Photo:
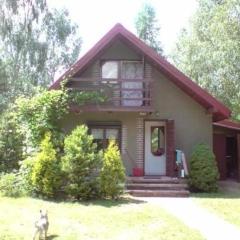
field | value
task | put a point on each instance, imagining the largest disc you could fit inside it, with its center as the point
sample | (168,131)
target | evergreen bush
(81,163)
(112,175)
(203,174)
(46,172)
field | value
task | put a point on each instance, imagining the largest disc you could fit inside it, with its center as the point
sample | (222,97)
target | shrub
(81,163)
(11,142)
(112,175)
(25,172)
(11,185)
(203,169)
(42,113)
(46,172)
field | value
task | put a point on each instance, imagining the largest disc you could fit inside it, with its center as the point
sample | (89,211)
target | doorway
(155,148)
(231,157)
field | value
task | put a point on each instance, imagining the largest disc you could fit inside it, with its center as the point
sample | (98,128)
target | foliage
(46,172)
(61,36)
(148,28)
(81,97)
(42,113)
(11,185)
(11,142)
(25,173)
(208,51)
(81,163)
(112,175)
(203,174)
(35,43)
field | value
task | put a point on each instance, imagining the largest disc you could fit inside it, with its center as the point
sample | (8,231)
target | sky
(97,17)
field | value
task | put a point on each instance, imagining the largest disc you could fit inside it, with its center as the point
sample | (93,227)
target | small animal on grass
(41,226)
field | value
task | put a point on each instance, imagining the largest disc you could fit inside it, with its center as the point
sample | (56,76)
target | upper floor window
(122,69)
(110,70)
(131,92)
(132,70)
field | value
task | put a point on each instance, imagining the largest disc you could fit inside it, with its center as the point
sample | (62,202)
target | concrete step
(157,186)
(155,180)
(159,193)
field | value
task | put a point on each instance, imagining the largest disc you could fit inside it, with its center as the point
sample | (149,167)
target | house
(152,107)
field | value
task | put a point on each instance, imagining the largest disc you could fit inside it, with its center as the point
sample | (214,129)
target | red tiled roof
(228,124)
(219,110)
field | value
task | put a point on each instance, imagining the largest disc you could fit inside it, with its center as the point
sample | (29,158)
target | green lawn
(123,220)
(224,204)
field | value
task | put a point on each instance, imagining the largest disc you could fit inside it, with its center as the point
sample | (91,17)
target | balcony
(130,95)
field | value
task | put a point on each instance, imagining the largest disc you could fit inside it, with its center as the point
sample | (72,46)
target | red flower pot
(137,172)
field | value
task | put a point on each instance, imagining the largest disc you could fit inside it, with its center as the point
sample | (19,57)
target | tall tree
(148,28)
(35,43)
(209,50)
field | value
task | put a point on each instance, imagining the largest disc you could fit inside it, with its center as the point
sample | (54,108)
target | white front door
(155,148)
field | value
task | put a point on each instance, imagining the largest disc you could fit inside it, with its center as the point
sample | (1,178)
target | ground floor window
(104,133)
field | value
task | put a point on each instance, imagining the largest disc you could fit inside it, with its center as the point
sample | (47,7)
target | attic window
(122,69)
(126,72)
(110,70)
(132,70)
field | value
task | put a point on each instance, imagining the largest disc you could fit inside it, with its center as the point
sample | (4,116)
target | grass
(125,219)
(225,204)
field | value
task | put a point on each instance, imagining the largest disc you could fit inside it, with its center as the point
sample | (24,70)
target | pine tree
(112,176)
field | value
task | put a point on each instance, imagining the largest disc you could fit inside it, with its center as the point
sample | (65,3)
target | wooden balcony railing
(134,94)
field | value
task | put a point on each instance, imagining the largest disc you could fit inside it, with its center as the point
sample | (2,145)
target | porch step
(157,187)
(163,180)
(159,193)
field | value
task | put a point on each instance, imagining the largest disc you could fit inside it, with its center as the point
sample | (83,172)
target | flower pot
(137,172)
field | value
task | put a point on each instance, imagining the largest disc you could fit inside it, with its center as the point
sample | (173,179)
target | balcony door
(124,75)
(132,71)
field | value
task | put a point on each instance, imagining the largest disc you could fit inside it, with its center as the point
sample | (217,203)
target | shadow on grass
(112,203)
(51,237)
(108,203)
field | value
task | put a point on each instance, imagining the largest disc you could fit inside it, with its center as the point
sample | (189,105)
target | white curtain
(132,70)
